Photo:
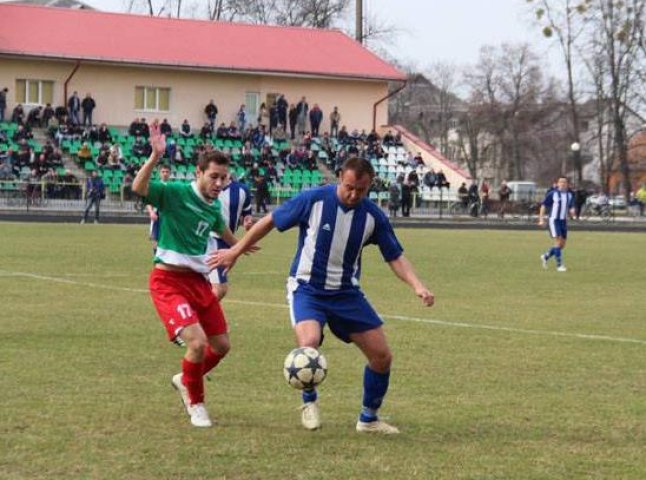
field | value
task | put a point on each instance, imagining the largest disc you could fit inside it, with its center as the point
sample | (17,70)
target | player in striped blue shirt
(335,223)
(235,201)
(559,202)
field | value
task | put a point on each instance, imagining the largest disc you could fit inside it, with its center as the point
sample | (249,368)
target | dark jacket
(88,104)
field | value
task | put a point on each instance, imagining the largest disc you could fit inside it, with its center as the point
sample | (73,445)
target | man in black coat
(88,105)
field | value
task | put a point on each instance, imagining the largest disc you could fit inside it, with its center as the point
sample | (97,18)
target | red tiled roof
(137,39)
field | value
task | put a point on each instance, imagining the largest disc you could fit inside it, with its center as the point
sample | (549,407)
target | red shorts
(183,299)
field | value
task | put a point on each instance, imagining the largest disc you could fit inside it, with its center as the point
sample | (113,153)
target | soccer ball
(305,368)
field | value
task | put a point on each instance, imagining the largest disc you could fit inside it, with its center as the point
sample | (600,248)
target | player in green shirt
(178,285)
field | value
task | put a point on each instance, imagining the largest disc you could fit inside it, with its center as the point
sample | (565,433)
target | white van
(522,191)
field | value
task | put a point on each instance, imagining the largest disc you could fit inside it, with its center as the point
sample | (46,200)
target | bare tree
(620,26)
(561,20)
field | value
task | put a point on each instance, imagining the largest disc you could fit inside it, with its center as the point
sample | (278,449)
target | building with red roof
(137,66)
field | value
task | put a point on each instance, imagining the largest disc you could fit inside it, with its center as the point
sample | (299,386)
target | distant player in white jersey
(335,223)
(153,213)
(235,201)
(559,202)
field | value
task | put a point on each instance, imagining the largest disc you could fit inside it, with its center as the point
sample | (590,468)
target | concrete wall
(113,88)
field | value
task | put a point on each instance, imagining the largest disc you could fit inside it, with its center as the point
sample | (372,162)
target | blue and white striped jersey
(328,257)
(235,201)
(559,203)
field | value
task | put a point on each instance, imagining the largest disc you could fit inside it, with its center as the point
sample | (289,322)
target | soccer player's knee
(222,346)
(382,360)
(197,346)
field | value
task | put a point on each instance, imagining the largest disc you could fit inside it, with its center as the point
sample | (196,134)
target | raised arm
(404,270)
(158,144)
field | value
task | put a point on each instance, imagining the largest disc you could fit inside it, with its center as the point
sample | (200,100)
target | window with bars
(152,99)
(34,92)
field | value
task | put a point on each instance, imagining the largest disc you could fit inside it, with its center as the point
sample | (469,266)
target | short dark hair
(165,167)
(562,176)
(360,166)
(211,156)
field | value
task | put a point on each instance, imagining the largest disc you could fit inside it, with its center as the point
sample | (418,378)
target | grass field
(516,373)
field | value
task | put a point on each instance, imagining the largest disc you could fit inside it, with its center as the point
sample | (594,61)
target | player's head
(212,173)
(164,173)
(562,183)
(355,179)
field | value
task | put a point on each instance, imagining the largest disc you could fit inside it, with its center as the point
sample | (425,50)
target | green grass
(86,370)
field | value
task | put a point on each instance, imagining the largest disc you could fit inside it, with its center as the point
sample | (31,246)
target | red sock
(211,359)
(193,381)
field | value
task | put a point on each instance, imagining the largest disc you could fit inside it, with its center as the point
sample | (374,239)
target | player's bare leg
(220,290)
(308,334)
(376,378)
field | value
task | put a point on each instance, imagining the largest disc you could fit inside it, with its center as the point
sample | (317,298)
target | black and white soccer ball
(305,368)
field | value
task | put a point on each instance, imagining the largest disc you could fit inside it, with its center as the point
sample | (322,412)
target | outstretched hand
(157,140)
(222,259)
(428,299)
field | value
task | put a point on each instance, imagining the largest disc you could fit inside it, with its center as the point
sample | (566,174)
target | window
(153,99)
(34,92)
(252,102)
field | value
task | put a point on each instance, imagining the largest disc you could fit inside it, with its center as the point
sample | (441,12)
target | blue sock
(309,396)
(557,254)
(375,386)
(550,253)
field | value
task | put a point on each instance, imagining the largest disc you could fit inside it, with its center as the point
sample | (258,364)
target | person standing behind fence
(94,193)
(303,109)
(503,194)
(3,102)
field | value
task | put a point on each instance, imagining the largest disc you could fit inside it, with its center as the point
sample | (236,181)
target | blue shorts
(558,228)
(154,230)
(217,276)
(346,312)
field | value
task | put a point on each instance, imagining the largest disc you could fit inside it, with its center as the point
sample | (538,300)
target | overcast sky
(443,30)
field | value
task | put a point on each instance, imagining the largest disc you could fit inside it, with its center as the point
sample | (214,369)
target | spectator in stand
(48,112)
(262,192)
(292,160)
(410,160)
(316,117)
(6,169)
(344,136)
(474,199)
(33,118)
(20,134)
(74,108)
(389,139)
(279,134)
(246,156)
(211,112)
(394,198)
(293,120)
(91,134)
(442,182)
(407,197)
(52,126)
(56,157)
(263,116)
(503,194)
(88,105)
(145,131)
(303,109)
(104,134)
(335,121)
(185,129)
(61,113)
(430,179)
(165,128)
(18,114)
(135,128)
(372,137)
(274,118)
(283,107)
(241,116)
(222,132)
(419,160)
(171,150)
(398,140)
(139,148)
(3,102)
(233,132)
(206,133)
(94,193)
(85,152)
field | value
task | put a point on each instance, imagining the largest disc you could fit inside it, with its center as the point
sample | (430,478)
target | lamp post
(576,160)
